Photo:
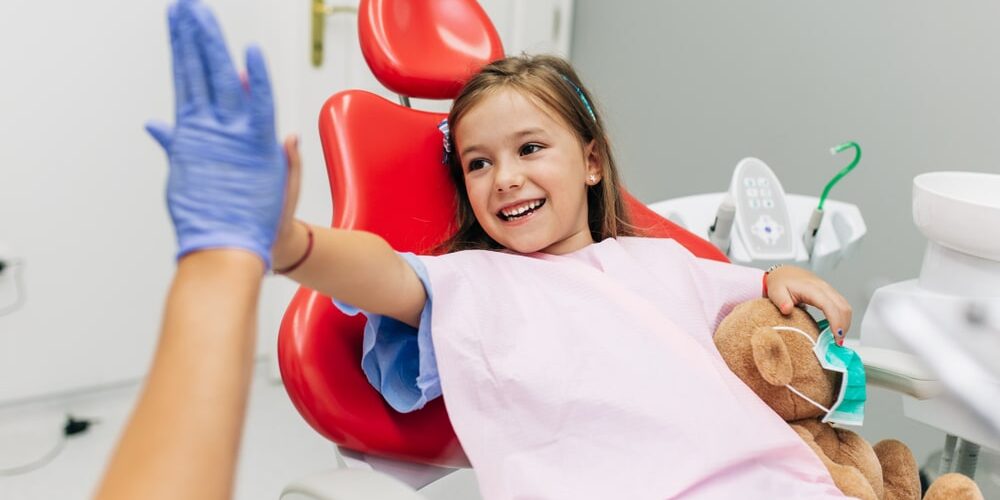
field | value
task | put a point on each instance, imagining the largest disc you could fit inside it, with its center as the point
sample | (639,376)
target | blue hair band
(583,98)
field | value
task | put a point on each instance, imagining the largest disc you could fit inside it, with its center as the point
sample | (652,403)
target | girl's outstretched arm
(355,267)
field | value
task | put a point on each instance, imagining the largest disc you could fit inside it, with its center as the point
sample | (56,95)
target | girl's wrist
(767,274)
(290,247)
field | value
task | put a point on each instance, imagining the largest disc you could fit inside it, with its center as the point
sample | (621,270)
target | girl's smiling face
(526,174)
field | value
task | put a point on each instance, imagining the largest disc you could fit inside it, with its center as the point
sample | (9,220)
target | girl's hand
(788,286)
(290,244)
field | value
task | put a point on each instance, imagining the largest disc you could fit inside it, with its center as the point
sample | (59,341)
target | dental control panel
(762,219)
(756,223)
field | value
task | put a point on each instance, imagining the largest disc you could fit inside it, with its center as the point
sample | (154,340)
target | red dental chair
(387,177)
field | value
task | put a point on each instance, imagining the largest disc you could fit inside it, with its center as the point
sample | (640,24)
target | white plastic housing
(842,229)
(960,211)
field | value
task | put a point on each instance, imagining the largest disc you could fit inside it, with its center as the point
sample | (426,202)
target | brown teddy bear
(768,360)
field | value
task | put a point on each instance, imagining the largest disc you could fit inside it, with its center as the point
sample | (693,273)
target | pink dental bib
(593,375)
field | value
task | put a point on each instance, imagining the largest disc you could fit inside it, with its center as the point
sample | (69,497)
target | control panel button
(767,229)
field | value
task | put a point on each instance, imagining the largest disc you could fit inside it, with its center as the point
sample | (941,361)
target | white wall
(81,192)
(81,198)
(690,87)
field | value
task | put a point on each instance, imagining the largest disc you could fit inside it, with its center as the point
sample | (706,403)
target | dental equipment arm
(898,371)
(953,354)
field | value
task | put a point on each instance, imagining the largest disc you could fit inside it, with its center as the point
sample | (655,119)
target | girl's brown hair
(552,83)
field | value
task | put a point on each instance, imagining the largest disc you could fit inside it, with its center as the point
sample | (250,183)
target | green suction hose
(844,171)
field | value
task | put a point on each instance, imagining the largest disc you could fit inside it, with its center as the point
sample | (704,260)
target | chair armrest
(349,484)
(898,371)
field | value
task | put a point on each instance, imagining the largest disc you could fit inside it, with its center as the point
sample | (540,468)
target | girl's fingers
(781,297)
(294,171)
(834,307)
(846,313)
(830,302)
(293,183)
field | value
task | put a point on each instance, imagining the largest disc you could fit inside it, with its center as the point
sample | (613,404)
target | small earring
(593,179)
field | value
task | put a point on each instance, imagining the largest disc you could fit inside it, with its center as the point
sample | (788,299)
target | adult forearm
(182,439)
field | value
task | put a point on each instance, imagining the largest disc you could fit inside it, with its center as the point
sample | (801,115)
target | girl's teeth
(517,212)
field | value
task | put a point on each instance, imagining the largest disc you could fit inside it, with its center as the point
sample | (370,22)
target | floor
(278,446)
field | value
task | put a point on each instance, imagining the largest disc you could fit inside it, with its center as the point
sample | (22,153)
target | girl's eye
(477,164)
(527,149)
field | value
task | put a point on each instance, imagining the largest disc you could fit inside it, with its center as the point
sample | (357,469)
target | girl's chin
(523,245)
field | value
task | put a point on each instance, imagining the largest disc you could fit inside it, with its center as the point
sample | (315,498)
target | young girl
(576,359)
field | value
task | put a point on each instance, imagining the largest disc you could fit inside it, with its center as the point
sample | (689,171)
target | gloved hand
(227,171)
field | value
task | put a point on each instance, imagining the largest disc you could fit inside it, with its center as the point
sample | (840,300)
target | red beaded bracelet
(772,268)
(309,248)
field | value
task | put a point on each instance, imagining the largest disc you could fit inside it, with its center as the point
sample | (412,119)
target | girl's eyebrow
(514,136)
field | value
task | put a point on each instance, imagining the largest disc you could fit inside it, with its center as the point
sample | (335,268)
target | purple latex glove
(228,172)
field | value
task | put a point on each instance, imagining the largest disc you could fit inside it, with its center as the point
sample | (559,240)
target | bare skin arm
(182,440)
(355,267)
(183,437)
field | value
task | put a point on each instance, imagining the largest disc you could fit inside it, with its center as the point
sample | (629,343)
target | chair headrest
(426,48)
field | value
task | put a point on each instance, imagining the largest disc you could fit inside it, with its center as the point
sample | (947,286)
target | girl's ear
(593,162)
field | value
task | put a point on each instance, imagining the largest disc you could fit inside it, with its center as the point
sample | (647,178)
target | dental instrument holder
(768,225)
(720,233)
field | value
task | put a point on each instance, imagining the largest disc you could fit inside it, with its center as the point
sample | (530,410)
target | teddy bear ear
(771,356)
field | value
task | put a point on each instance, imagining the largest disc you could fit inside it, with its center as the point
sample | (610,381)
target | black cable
(71,427)
(19,296)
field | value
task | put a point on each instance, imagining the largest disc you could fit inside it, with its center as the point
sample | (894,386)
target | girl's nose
(508,178)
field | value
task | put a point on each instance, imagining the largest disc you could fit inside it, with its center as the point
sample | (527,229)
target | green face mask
(849,408)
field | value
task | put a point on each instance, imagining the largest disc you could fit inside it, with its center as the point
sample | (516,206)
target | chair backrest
(386,176)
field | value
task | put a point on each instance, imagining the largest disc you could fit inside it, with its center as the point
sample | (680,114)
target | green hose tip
(844,171)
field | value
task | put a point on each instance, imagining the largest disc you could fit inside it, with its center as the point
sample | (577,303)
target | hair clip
(443,127)
(583,98)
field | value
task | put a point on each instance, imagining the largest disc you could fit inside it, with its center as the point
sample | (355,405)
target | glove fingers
(161,132)
(181,91)
(184,40)
(225,88)
(261,99)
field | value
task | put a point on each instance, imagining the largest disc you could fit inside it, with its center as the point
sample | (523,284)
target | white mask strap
(796,391)
(793,329)
(807,398)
